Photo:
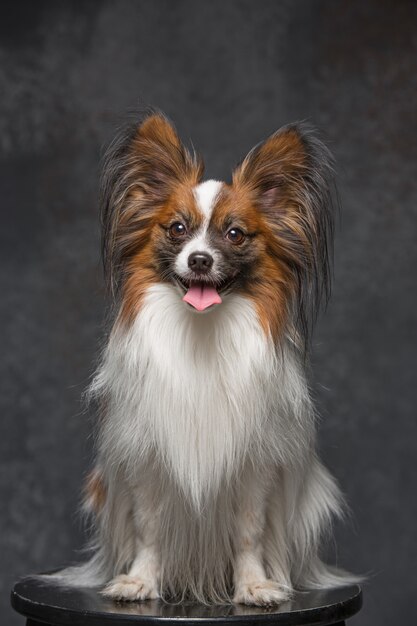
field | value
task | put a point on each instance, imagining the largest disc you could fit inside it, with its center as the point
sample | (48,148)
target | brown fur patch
(142,270)
(285,181)
(94,491)
(142,181)
(270,281)
(157,129)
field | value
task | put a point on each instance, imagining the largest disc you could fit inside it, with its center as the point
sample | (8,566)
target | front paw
(263,593)
(130,588)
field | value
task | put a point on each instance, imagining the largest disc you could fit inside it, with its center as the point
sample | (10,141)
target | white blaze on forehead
(206,195)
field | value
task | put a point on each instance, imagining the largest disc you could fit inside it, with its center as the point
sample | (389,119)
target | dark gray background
(228,73)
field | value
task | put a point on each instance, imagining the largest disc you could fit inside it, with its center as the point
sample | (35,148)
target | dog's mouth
(203,294)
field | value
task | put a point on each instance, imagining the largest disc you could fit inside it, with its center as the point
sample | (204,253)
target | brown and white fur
(207,483)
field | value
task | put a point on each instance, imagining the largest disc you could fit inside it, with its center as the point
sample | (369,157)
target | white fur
(207,452)
(205,194)
(198,392)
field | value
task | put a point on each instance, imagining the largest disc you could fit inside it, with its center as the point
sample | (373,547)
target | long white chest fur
(199,392)
(206,425)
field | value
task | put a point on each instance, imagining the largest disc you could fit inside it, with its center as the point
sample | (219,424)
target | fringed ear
(290,179)
(141,168)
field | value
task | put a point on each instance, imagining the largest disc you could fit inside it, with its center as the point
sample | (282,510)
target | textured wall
(228,73)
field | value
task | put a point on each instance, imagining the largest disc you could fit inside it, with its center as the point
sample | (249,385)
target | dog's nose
(200,262)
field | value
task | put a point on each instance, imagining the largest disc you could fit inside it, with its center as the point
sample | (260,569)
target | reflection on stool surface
(44,602)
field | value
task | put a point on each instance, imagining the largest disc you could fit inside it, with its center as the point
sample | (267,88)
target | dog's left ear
(271,164)
(290,179)
(290,172)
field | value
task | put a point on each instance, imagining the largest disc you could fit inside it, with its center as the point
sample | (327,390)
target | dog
(207,484)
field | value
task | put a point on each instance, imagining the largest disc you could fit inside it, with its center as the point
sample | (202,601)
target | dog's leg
(142,580)
(250,580)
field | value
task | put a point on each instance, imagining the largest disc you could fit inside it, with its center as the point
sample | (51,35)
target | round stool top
(52,604)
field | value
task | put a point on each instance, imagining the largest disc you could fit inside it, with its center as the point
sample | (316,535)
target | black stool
(45,603)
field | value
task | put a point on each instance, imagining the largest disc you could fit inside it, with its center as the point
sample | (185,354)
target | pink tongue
(201,296)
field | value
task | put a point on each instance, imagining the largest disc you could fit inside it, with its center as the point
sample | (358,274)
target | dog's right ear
(158,129)
(141,168)
(159,157)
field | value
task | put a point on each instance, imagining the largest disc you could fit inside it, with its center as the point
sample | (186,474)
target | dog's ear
(157,158)
(290,179)
(158,129)
(141,168)
(284,167)
(270,162)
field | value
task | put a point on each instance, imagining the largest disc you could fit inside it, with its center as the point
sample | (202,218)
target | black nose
(200,262)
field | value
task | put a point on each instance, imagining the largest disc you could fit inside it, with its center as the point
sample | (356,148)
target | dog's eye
(235,235)
(177,230)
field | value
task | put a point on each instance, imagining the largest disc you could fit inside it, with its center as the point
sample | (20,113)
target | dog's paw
(262,593)
(130,588)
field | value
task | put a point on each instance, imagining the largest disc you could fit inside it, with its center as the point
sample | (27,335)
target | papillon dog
(207,484)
